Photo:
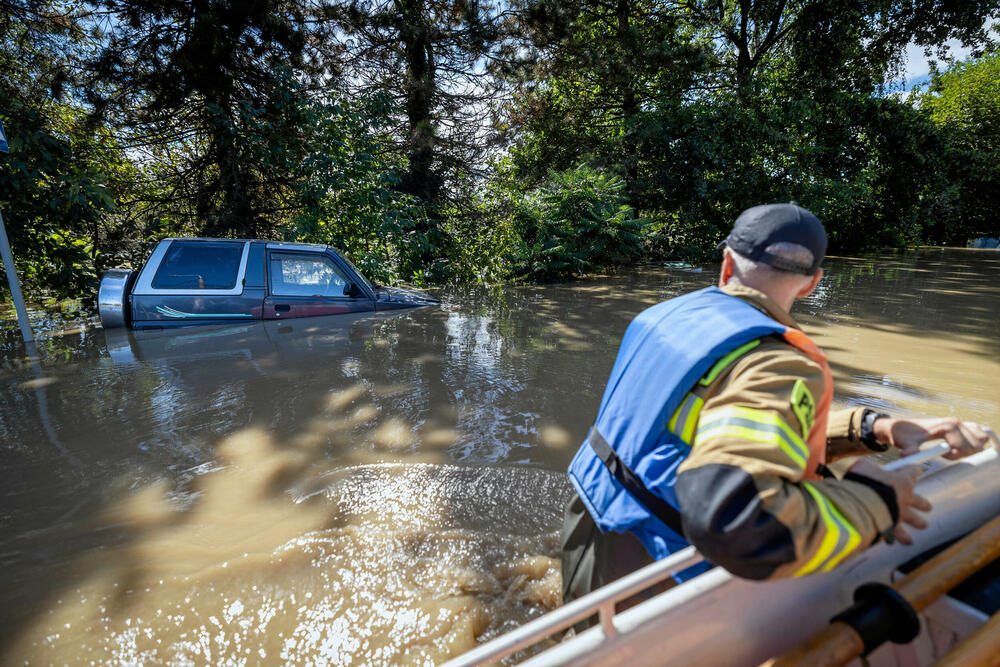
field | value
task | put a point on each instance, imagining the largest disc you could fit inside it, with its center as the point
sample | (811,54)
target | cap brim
(722,244)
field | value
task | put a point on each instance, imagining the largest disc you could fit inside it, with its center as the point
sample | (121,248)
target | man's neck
(782,298)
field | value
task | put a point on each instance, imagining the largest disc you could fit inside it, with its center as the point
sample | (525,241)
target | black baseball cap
(760,226)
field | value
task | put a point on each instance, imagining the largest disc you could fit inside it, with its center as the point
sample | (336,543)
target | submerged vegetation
(449,140)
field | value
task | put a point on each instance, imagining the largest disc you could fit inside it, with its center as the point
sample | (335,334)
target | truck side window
(300,274)
(199,265)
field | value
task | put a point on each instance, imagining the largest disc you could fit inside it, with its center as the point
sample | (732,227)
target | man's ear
(726,272)
(808,289)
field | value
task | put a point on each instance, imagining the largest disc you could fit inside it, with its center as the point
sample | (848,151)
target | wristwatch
(867,435)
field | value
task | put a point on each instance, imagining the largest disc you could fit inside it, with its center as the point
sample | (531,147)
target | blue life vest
(665,351)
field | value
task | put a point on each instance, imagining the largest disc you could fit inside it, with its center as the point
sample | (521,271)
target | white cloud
(916,61)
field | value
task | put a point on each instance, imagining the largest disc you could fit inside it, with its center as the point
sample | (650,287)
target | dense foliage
(577,221)
(965,103)
(476,141)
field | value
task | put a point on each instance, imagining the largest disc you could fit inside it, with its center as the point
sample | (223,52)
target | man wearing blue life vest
(716,430)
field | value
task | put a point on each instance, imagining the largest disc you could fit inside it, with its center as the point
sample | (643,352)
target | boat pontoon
(718,619)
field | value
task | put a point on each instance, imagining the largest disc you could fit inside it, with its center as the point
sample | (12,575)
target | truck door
(199,281)
(305,284)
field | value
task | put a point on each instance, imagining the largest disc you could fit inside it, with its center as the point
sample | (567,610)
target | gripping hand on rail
(909,504)
(903,480)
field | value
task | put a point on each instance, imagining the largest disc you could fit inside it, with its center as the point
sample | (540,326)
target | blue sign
(3,139)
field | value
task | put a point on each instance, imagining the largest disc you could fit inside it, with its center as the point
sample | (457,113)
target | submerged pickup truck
(216,281)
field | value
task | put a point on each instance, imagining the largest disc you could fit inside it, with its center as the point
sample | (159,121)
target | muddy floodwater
(378,490)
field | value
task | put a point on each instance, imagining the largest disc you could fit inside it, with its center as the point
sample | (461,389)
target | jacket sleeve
(741,491)
(843,434)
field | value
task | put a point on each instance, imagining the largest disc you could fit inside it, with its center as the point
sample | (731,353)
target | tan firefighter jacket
(746,502)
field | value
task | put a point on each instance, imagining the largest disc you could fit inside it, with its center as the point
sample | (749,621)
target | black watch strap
(867,435)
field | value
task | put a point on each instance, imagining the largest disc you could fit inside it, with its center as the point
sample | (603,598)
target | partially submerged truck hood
(400,297)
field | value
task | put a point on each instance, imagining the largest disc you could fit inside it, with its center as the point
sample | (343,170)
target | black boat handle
(282,308)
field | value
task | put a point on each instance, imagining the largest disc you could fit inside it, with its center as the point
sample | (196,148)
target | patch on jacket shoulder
(803,406)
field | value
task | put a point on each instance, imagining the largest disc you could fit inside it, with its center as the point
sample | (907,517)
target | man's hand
(903,481)
(908,434)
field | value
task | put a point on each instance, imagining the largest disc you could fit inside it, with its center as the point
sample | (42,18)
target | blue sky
(918,71)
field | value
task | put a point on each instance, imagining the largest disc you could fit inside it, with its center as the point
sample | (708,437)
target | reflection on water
(368,563)
(913,335)
(376,490)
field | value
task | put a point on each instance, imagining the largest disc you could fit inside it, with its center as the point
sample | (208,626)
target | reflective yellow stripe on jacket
(685,419)
(725,361)
(757,425)
(840,539)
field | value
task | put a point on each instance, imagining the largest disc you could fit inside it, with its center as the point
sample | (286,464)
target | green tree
(63,175)
(605,63)
(436,57)
(347,193)
(768,101)
(177,78)
(964,102)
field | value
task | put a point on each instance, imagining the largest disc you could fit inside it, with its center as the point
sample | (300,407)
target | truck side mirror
(351,290)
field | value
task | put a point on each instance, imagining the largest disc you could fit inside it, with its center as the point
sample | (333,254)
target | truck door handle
(282,308)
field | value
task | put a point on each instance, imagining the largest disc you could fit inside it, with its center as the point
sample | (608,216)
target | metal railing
(600,602)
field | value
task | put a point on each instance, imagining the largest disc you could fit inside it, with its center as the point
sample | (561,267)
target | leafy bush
(576,222)
(479,226)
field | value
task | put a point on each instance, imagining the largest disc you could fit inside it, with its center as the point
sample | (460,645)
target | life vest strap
(657,506)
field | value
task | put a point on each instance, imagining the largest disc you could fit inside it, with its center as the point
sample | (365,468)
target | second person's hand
(907,435)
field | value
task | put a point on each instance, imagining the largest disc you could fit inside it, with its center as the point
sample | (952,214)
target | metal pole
(15,285)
